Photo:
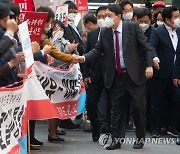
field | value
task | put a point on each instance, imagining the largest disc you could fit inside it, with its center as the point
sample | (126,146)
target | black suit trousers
(121,86)
(163,94)
(99,114)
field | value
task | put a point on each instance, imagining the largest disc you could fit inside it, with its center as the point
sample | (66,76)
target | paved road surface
(80,142)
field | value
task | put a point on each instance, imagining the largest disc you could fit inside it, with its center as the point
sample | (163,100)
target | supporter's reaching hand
(47,49)
(75,59)
(80,59)
(19,58)
(72,47)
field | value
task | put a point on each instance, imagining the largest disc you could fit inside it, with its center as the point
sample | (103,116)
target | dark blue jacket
(164,50)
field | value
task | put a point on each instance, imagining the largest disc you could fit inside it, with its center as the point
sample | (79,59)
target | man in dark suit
(93,78)
(144,17)
(165,42)
(126,70)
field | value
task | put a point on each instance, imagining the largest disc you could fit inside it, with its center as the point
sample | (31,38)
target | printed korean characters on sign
(25,5)
(13,130)
(36,22)
(82,5)
(62,13)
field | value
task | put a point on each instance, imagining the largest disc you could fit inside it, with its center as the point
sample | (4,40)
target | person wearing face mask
(58,40)
(127,8)
(71,32)
(126,70)
(93,78)
(165,43)
(144,18)
(158,20)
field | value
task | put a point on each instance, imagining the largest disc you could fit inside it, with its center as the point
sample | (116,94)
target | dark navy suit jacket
(164,50)
(93,69)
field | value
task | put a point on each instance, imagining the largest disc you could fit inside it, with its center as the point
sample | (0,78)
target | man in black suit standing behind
(165,43)
(126,70)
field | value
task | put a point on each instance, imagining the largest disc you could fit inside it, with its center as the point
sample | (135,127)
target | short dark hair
(100,9)
(124,3)
(60,24)
(115,8)
(47,9)
(167,12)
(71,5)
(156,15)
(90,18)
(15,9)
(144,12)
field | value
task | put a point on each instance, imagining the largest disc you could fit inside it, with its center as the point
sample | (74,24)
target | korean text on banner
(82,5)
(36,22)
(58,93)
(13,120)
(25,5)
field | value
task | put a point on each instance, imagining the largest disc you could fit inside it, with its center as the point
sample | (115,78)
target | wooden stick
(29,149)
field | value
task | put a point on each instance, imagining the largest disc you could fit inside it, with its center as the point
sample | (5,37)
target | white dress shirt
(173,36)
(119,29)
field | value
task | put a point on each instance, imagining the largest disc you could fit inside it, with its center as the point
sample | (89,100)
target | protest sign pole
(29,147)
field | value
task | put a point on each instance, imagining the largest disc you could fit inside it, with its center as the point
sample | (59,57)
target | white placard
(26,44)
(62,13)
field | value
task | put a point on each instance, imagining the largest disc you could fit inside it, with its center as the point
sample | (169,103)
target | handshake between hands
(77,59)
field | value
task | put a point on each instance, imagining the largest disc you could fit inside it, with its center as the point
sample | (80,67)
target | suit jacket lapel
(178,34)
(166,35)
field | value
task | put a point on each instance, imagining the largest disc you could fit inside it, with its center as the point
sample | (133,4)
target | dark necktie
(118,65)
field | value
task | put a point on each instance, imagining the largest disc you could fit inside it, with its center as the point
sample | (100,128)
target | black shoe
(34,148)
(67,124)
(155,134)
(95,136)
(173,132)
(138,144)
(114,146)
(163,131)
(36,143)
(130,128)
(178,140)
(60,132)
(56,139)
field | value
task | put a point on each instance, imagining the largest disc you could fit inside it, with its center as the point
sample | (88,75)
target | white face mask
(71,16)
(48,28)
(57,34)
(109,22)
(159,23)
(101,23)
(128,16)
(144,27)
(177,23)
